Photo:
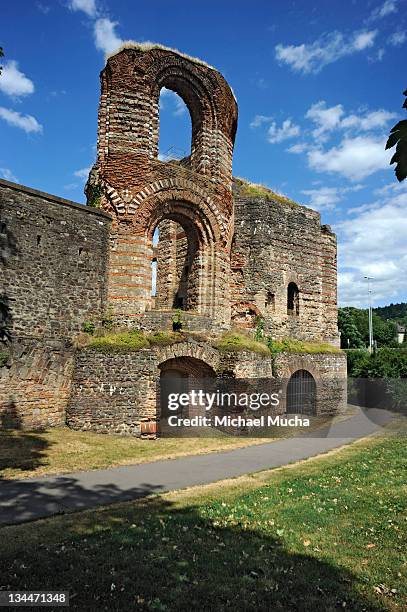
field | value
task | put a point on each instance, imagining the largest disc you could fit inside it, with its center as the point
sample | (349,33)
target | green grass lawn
(326,534)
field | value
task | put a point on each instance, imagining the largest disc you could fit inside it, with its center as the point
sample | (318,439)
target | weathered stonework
(227,256)
(53,278)
(139,190)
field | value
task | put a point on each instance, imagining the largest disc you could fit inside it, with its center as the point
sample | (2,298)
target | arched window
(175,128)
(301,393)
(293,300)
(176,277)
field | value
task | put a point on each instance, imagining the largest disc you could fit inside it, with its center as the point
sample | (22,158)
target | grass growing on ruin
(231,341)
(235,341)
(326,534)
(256,190)
(289,345)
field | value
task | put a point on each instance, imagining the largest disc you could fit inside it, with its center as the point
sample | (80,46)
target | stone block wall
(329,371)
(54,262)
(54,258)
(112,392)
(275,244)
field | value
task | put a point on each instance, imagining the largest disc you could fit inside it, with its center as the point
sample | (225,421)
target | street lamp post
(369,291)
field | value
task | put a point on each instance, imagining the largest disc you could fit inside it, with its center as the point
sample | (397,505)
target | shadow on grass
(19,449)
(156,556)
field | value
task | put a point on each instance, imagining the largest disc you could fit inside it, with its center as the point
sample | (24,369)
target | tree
(350,335)
(1,55)
(398,136)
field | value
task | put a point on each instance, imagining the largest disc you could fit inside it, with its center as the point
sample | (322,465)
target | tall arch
(140,190)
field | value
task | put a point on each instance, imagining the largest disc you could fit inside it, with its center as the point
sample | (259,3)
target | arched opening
(182,375)
(301,393)
(293,300)
(176,279)
(175,128)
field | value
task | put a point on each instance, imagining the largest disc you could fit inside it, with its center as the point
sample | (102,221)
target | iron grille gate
(301,393)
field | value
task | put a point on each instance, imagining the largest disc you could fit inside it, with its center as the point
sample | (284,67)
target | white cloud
(83,173)
(353,158)
(28,123)
(326,198)
(106,38)
(13,82)
(286,131)
(387,8)
(87,6)
(6,173)
(298,148)
(260,120)
(332,118)
(397,39)
(326,119)
(373,244)
(370,121)
(325,50)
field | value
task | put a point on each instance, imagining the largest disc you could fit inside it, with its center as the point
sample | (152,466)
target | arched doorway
(301,393)
(182,375)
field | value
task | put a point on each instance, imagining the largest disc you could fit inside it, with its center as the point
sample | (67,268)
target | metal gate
(301,393)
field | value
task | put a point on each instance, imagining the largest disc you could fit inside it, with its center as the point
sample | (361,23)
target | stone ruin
(229,254)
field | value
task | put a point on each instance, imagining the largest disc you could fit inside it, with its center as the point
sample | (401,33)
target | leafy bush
(89,327)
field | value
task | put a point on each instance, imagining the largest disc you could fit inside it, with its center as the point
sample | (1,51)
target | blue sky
(318,85)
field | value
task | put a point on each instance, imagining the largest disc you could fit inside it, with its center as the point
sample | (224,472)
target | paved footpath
(26,500)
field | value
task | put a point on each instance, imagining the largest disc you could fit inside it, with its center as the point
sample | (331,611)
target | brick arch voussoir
(146,201)
(202,352)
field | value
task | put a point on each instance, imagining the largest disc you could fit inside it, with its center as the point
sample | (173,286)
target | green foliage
(94,195)
(89,327)
(131,340)
(395,312)
(398,138)
(350,335)
(353,324)
(108,319)
(384,363)
(4,357)
(165,338)
(259,333)
(234,341)
(177,320)
(255,190)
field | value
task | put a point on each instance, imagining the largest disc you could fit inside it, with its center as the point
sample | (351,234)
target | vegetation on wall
(255,190)
(94,195)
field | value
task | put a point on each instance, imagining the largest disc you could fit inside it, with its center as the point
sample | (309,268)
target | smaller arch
(293,299)
(183,375)
(301,393)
